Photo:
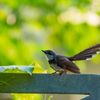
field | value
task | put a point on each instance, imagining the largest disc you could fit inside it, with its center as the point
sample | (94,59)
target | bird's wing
(87,54)
(66,64)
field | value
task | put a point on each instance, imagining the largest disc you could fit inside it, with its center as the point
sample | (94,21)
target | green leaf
(23,96)
(50,97)
(28,69)
(38,68)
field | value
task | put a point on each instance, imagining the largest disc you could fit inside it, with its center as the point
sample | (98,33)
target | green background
(64,26)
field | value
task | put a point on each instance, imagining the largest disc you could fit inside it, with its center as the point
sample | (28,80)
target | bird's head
(50,55)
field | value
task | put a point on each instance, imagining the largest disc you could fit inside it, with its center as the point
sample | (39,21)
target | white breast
(54,66)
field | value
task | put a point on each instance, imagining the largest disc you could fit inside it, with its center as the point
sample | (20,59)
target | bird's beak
(43,51)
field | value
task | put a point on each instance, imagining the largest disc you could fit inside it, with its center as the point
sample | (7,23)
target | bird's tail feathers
(87,54)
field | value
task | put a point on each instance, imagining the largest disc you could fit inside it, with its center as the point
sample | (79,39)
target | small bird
(63,64)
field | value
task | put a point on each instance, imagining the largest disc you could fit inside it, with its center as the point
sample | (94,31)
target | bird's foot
(61,72)
(54,73)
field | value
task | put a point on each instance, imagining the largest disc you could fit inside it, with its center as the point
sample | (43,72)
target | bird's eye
(50,52)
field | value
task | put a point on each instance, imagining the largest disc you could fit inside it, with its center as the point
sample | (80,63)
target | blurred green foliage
(65,26)
(28,26)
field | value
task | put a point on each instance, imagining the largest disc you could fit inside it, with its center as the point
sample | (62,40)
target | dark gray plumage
(64,64)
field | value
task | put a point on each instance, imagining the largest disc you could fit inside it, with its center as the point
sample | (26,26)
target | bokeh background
(64,26)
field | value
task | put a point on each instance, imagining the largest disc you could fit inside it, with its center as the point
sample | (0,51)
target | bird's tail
(87,54)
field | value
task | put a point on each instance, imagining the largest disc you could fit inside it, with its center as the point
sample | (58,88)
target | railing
(51,83)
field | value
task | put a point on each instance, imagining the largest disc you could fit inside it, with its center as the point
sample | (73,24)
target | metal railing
(51,84)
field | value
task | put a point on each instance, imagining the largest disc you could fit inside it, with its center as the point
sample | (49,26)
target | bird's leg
(61,72)
(54,73)
(66,72)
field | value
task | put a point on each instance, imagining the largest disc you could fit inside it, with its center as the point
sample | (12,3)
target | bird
(63,64)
